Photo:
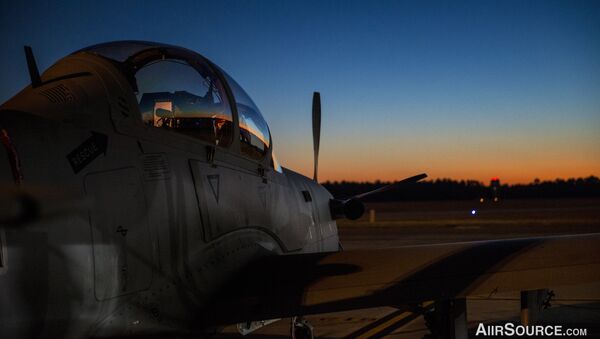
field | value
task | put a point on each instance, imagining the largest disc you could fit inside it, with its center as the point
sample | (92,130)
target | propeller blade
(34,73)
(316,125)
(409,180)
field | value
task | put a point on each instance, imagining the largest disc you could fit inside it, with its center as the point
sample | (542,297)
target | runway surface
(407,223)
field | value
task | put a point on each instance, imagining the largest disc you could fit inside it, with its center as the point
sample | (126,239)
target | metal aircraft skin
(141,196)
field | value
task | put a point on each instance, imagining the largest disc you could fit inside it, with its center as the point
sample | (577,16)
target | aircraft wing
(279,286)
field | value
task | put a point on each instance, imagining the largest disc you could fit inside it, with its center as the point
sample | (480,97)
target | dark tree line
(448,189)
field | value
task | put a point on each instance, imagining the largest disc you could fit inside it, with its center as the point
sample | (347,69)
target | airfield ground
(406,223)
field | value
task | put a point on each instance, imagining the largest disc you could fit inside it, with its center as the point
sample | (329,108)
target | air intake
(59,94)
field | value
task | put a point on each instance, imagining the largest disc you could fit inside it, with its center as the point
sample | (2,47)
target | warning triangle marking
(213,181)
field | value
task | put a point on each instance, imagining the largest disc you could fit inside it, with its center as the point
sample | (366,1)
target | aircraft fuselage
(136,227)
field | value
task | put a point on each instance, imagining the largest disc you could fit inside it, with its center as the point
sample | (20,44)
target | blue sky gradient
(463,90)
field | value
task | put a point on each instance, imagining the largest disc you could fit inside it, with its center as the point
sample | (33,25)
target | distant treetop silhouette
(448,189)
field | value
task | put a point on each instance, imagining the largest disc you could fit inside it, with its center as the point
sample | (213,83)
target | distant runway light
(473,212)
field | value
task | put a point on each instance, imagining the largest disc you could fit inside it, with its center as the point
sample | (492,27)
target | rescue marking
(88,151)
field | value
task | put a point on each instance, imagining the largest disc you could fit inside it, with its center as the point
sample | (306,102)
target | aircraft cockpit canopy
(178,89)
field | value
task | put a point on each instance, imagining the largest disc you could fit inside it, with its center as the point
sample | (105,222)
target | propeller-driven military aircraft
(141,196)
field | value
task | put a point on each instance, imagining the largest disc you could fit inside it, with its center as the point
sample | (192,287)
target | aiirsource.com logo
(515,330)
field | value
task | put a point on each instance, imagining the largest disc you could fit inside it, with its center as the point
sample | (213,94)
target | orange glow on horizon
(516,159)
(370,170)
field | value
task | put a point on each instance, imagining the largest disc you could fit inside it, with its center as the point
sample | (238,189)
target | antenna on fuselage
(316,125)
(34,73)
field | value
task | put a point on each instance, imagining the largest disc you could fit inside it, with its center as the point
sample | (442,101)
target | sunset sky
(466,90)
